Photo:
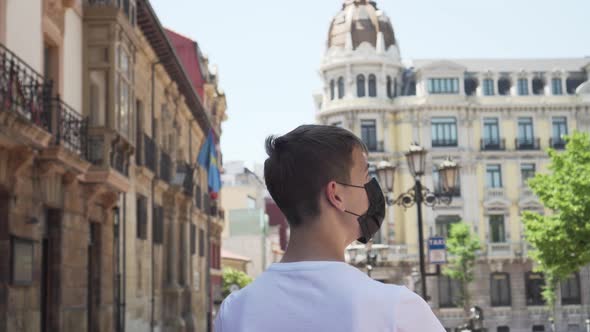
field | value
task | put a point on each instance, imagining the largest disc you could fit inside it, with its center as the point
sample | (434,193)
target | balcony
(557,143)
(25,97)
(70,130)
(494,193)
(504,250)
(376,147)
(487,144)
(28,113)
(444,143)
(165,167)
(108,149)
(530,144)
(213,211)
(184,178)
(526,192)
(149,153)
(128,7)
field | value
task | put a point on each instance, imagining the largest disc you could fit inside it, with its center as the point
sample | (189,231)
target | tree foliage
(234,277)
(462,247)
(561,239)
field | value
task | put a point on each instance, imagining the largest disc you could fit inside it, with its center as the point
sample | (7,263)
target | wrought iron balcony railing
(213,210)
(376,147)
(149,153)
(165,167)
(557,143)
(527,144)
(444,143)
(120,160)
(23,90)
(184,178)
(495,144)
(69,128)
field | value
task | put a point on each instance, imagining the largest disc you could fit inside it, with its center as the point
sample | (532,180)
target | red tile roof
(188,52)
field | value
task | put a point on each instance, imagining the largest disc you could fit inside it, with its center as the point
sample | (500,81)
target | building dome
(362,21)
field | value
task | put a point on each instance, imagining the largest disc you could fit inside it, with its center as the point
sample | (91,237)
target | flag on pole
(208,158)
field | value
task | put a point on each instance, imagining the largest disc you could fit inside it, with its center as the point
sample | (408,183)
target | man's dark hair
(302,162)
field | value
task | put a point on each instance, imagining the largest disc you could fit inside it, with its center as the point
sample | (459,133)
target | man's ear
(334,195)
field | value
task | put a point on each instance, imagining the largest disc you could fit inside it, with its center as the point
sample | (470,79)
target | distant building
(496,117)
(248,230)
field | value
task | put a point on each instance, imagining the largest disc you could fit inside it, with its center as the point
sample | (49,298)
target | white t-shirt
(320,297)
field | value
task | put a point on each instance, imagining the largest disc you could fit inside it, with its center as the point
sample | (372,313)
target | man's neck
(314,243)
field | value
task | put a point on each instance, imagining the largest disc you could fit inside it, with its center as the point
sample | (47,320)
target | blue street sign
(437,250)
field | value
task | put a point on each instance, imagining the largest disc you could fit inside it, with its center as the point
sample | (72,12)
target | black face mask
(371,221)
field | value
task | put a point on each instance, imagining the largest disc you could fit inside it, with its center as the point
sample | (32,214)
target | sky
(268,51)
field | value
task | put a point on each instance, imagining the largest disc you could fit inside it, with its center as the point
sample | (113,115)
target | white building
(496,118)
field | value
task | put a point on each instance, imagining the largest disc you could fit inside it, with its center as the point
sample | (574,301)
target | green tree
(560,239)
(462,247)
(234,277)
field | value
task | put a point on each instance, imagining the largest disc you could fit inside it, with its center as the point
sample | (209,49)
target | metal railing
(557,143)
(184,177)
(69,128)
(188,183)
(213,210)
(149,153)
(444,143)
(487,144)
(119,159)
(95,149)
(23,90)
(165,167)
(377,147)
(527,143)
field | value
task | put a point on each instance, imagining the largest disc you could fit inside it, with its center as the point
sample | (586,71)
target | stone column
(172,308)
(548,84)
(349,81)
(514,88)
(479,89)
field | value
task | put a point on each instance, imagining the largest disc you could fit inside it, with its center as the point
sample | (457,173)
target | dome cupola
(358,22)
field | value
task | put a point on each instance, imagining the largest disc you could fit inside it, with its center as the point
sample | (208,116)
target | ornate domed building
(496,118)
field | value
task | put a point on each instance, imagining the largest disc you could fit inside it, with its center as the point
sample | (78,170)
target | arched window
(372,86)
(341,88)
(360,85)
(332,89)
(389,87)
(395,87)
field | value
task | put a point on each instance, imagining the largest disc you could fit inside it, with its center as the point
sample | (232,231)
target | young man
(319,177)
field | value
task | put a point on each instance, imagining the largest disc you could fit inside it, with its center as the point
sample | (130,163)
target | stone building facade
(106,220)
(496,118)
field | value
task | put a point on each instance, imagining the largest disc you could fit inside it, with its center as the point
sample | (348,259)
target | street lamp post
(418,195)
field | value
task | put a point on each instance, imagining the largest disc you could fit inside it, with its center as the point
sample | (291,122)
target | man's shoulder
(389,292)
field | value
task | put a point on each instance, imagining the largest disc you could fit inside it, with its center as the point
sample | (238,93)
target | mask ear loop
(354,214)
(352,185)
